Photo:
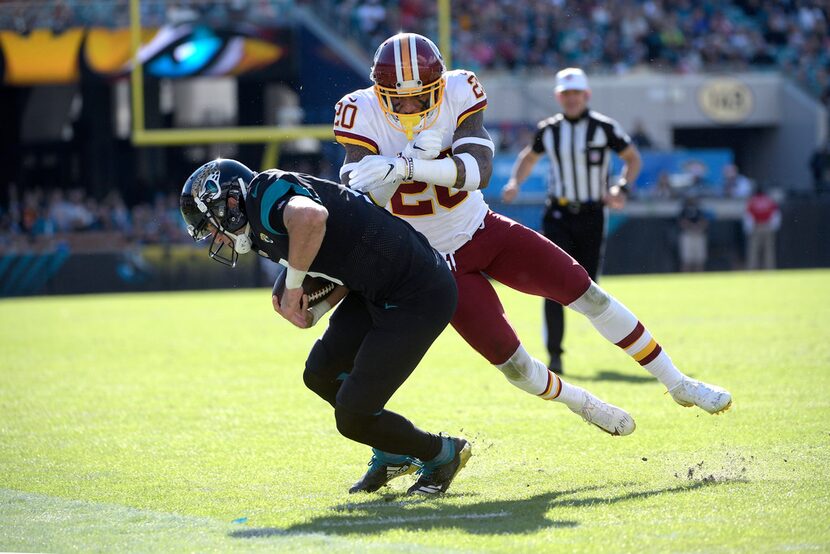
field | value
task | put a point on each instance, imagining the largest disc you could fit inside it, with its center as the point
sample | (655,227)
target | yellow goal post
(270,136)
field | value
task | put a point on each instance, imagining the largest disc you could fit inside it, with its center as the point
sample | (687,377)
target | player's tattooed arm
(473,127)
(354,154)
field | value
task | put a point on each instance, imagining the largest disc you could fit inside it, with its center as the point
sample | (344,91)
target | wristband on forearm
(441,172)
(294,278)
(318,310)
(622,184)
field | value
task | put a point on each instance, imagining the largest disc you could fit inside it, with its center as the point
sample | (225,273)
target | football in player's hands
(317,288)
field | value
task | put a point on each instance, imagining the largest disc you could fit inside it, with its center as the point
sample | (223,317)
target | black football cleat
(382,469)
(555,365)
(436,479)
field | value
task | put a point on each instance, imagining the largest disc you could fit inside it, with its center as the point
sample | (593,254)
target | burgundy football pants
(523,260)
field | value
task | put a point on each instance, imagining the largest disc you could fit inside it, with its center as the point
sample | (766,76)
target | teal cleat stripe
(387,458)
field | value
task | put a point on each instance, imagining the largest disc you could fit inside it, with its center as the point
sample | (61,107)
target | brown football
(317,288)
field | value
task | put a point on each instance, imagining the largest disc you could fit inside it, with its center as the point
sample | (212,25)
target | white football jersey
(447,217)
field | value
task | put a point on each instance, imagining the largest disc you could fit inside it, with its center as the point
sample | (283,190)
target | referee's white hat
(571,78)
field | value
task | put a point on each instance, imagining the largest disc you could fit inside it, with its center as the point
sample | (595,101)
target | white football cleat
(690,392)
(609,418)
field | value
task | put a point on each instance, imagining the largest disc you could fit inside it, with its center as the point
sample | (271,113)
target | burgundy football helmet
(409,65)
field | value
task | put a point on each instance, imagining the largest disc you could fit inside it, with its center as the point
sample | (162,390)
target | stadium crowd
(600,36)
(25,15)
(38,218)
(613,37)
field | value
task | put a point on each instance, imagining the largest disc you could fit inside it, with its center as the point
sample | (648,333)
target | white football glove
(425,146)
(378,172)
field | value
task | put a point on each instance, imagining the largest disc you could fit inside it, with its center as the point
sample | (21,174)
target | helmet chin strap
(242,242)
(243,186)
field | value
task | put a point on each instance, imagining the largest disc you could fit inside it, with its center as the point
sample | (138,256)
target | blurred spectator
(663,188)
(370,15)
(59,15)
(639,136)
(617,37)
(677,36)
(694,227)
(180,12)
(820,168)
(761,222)
(39,216)
(692,178)
(35,218)
(734,184)
(115,216)
(69,212)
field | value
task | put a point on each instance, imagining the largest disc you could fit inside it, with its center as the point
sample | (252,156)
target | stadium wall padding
(635,245)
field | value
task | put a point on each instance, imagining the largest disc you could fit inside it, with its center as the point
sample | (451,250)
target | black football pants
(366,354)
(582,235)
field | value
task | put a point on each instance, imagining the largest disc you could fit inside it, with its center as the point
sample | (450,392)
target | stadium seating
(612,37)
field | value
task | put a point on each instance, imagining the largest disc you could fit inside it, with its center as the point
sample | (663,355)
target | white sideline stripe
(85,506)
(414,519)
(40,522)
(34,522)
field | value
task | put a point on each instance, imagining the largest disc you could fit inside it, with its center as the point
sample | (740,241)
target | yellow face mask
(410,123)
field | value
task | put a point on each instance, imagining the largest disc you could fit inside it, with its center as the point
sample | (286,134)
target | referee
(578,142)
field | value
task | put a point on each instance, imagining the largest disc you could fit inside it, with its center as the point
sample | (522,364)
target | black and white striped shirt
(579,153)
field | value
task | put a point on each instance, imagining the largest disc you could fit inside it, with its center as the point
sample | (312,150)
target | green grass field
(179,422)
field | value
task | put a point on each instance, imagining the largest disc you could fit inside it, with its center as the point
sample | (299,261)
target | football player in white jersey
(416,142)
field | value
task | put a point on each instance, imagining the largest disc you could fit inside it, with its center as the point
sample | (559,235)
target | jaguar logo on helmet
(409,65)
(206,183)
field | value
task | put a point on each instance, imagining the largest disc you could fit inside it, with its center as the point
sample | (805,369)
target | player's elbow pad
(472,174)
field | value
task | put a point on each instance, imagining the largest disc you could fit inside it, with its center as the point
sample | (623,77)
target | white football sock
(525,372)
(617,324)
(570,395)
(531,375)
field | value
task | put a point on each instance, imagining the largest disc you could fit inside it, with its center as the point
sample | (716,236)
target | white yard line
(44,523)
